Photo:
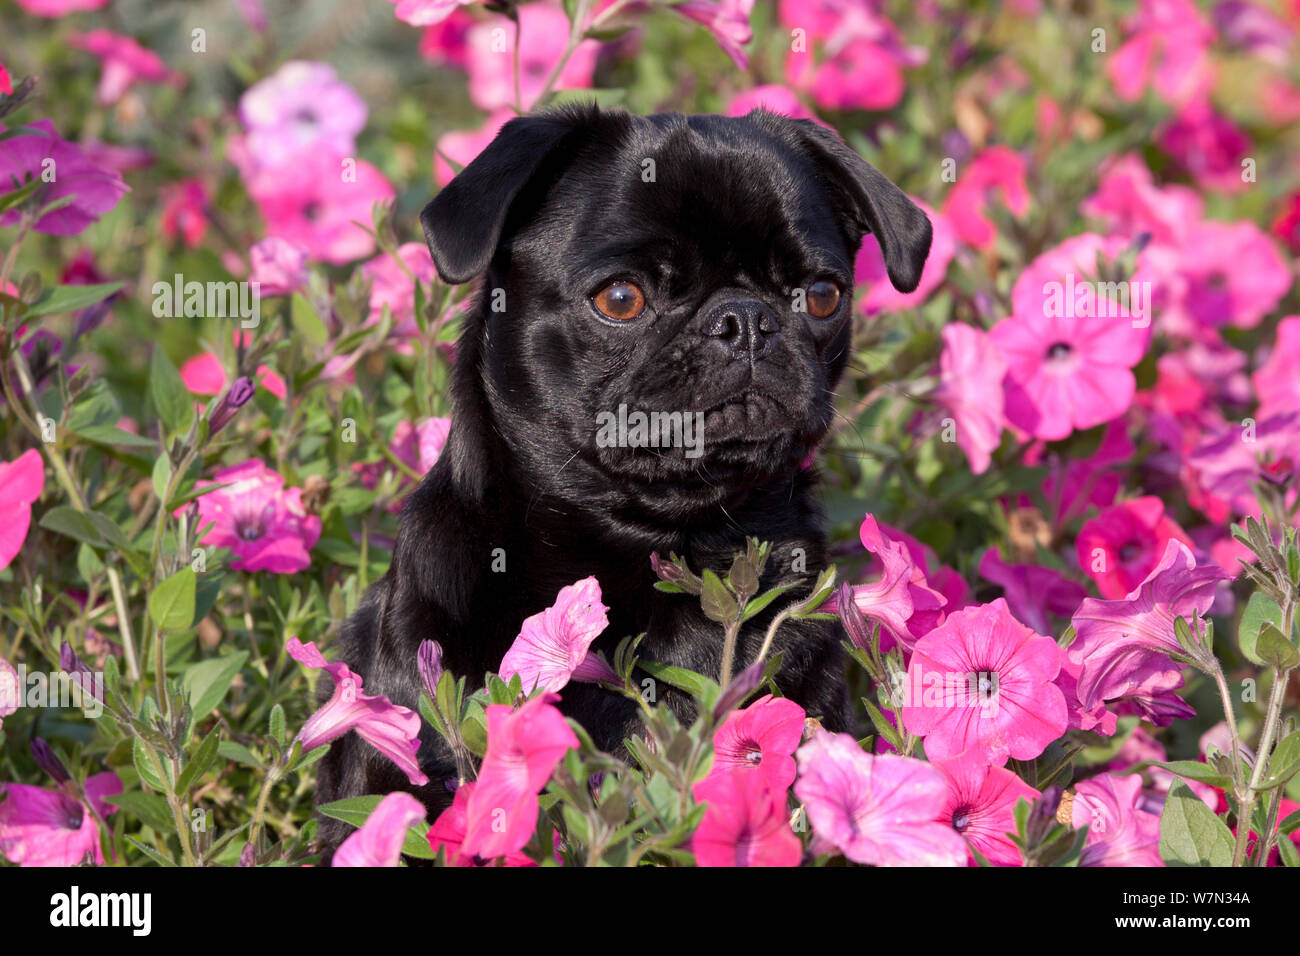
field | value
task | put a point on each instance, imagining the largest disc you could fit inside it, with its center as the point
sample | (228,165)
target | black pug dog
(700,264)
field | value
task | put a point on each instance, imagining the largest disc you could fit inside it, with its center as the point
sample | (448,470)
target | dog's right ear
(463,223)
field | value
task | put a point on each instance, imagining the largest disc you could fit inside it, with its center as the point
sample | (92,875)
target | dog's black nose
(742,325)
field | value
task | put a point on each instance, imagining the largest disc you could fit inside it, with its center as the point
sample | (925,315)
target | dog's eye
(823,298)
(620,301)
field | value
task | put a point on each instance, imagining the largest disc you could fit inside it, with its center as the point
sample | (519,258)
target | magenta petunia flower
(260,520)
(302,109)
(391,729)
(1167,47)
(1122,647)
(41,827)
(979,805)
(762,737)
(877,810)
(1119,548)
(523,747)
(1276,383)
(423,13)
(1090,481)
(746,823)
(92,188)
(982,681)
(1069,349)
(21,483)
(997,170)
(727,20)
(1120,833)
(869,268)
(1232,460)
(124,63)
(1208,145)
(277,266)
(448,833)
(546,36)
(462,146)
(379,840)
(184,212)
(420,446)
(971,371)
(59,8)
(773,97)
(1097,717)
(1034,593)
(553,646)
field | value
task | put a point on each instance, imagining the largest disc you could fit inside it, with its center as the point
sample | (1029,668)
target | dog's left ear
(873,204)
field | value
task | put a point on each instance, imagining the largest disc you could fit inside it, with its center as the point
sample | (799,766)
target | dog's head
(667,304)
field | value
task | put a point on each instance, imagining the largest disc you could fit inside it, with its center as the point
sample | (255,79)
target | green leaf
(1195,770)
(1261,610)
(760,603)
(162,474)
(1284,764)
(356,810)
(207,681)
(694,684)
(144,765)
(276,725)
(111,435)
(306,322)
(171,605)
(70,298)
(150,808)
(200,763)
(1275,649)
(72,523)
(1190,832)
(717,602)
(170,396)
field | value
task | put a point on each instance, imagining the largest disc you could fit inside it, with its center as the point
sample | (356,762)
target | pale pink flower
(727,20)
(41,827)
(983,681)
(971,370)
(553,646)
(420,446)
(523,747)
(1129,202)
(391,729)
(300,110)
(760,738)
(125,62)
(393,286)
(980,803)
(278,266)
(1168,48)
(876,810)
(1120,833)
(423,13)
(1122,647)
(379,840)
(546,35)
(11,696)
(746,823)
(262,522)
(21,483)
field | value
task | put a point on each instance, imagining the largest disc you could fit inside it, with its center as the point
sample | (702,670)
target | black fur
(740,212)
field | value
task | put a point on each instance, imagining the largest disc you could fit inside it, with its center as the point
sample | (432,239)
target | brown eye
(823,298)
(620,301)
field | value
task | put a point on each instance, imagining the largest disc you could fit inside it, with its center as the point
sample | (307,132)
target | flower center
(752,755)
(76,814)
(1130,552)
(961,819)
(1059,351)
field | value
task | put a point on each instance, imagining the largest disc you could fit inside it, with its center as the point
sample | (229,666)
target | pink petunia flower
(379,840)
(1276,383)
(881,296)
(91,188)
(980,803)
(125,62)
(746,823)
(41,827)
(277,266)
(21,483)
(727,20)
(446,43)
(1122,647)
(59,8)
(300,110)
(258,519)
(971,371)
(1097,717)
(423,13)
(394,286)
(982,681)
(553,646)
(762,737)
(1119,548)
(876,810)
(391,729)
(462,146)
(184,212)
(1069,348)
(448,833)
(1129,203)
(997,170)
(772,97)
(10,691)
(1120,833)
(1167,48)
(1090,481)
(523,747)
(1231,460)
(1034,593)
(420,446)
(546,36)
